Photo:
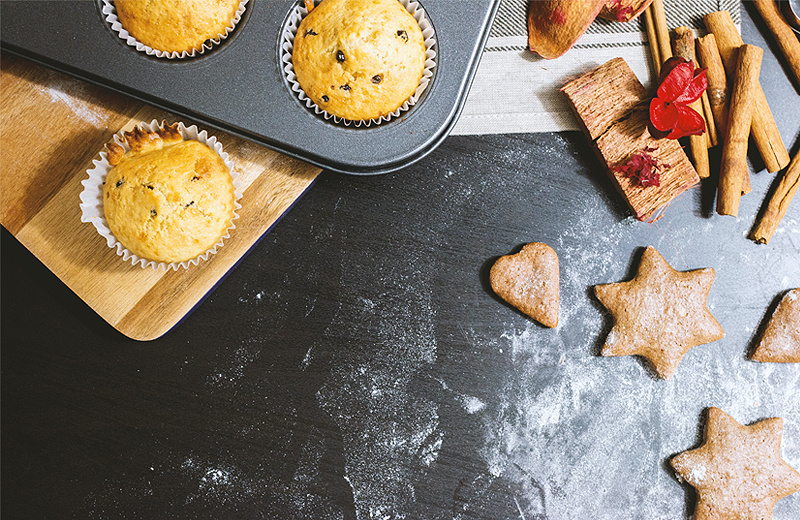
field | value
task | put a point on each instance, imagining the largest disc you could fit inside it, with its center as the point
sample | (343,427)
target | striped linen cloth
(515,90)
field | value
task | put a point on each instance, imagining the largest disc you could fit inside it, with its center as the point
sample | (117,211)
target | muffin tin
(240,87)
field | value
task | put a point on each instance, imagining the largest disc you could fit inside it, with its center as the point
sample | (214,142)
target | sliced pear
(555,25)
(623,10)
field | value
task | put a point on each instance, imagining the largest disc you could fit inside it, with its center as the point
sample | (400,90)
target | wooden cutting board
(52,127)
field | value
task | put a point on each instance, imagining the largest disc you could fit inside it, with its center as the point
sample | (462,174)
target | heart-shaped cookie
(528,280)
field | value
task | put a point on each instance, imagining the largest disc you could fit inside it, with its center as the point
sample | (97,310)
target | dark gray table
(357,365)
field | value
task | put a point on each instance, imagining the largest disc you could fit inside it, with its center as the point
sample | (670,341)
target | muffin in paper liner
(290,27)
(110,14)
(92,196)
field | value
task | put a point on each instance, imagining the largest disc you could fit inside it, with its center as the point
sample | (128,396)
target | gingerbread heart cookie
(738,472)
(529,281)
(780,342)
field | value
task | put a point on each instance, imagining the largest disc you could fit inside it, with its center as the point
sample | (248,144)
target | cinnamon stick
(778,203)
(662,31)
(734,153)
(713,138)
(709,58)
(784,36)
(684,48)
(764,130)
(650,28)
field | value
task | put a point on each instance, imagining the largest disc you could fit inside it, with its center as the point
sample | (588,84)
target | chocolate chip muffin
(359,59)
(167,199)
(176,25)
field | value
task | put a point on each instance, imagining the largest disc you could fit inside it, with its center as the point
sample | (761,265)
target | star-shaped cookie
(738,472)
(660,314)
(780,342)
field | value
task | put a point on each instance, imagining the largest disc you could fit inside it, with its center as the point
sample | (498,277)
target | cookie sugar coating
(738,472)
(170,202)
(176,25)
(359,59)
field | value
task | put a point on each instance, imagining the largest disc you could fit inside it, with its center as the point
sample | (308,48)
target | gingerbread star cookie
(660,314)
(738,472)
(780,342)
(528,280)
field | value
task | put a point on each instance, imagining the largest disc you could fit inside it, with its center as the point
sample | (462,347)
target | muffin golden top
(167,199)
(176,25)
(359,59)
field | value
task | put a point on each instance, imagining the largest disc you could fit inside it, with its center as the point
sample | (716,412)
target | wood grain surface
(52,128)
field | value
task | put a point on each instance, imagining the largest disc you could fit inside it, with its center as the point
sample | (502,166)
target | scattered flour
(71,93)
(570,434)
(390,434)
(472,404)
(698,473)
(589,437)
(234,366)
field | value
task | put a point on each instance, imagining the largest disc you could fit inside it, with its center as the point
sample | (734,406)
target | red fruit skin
(681,86)
(663,115)
(695,88)
(689,123)
(675,82)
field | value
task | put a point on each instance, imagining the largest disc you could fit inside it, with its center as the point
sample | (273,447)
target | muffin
(177,25)
(167,199)
(359,59)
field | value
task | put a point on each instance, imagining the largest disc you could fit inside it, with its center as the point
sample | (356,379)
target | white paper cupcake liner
(110,13)
(287,46)
(92,197)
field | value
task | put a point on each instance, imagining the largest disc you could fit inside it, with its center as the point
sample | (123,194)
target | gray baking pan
(240,87)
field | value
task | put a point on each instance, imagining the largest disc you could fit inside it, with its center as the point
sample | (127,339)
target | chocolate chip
(120,182)
(345,87)
(195,178)
(149,187)
(403,35)
(340,56)
(377,78)
(310,32)
(153,212)
(325,98)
